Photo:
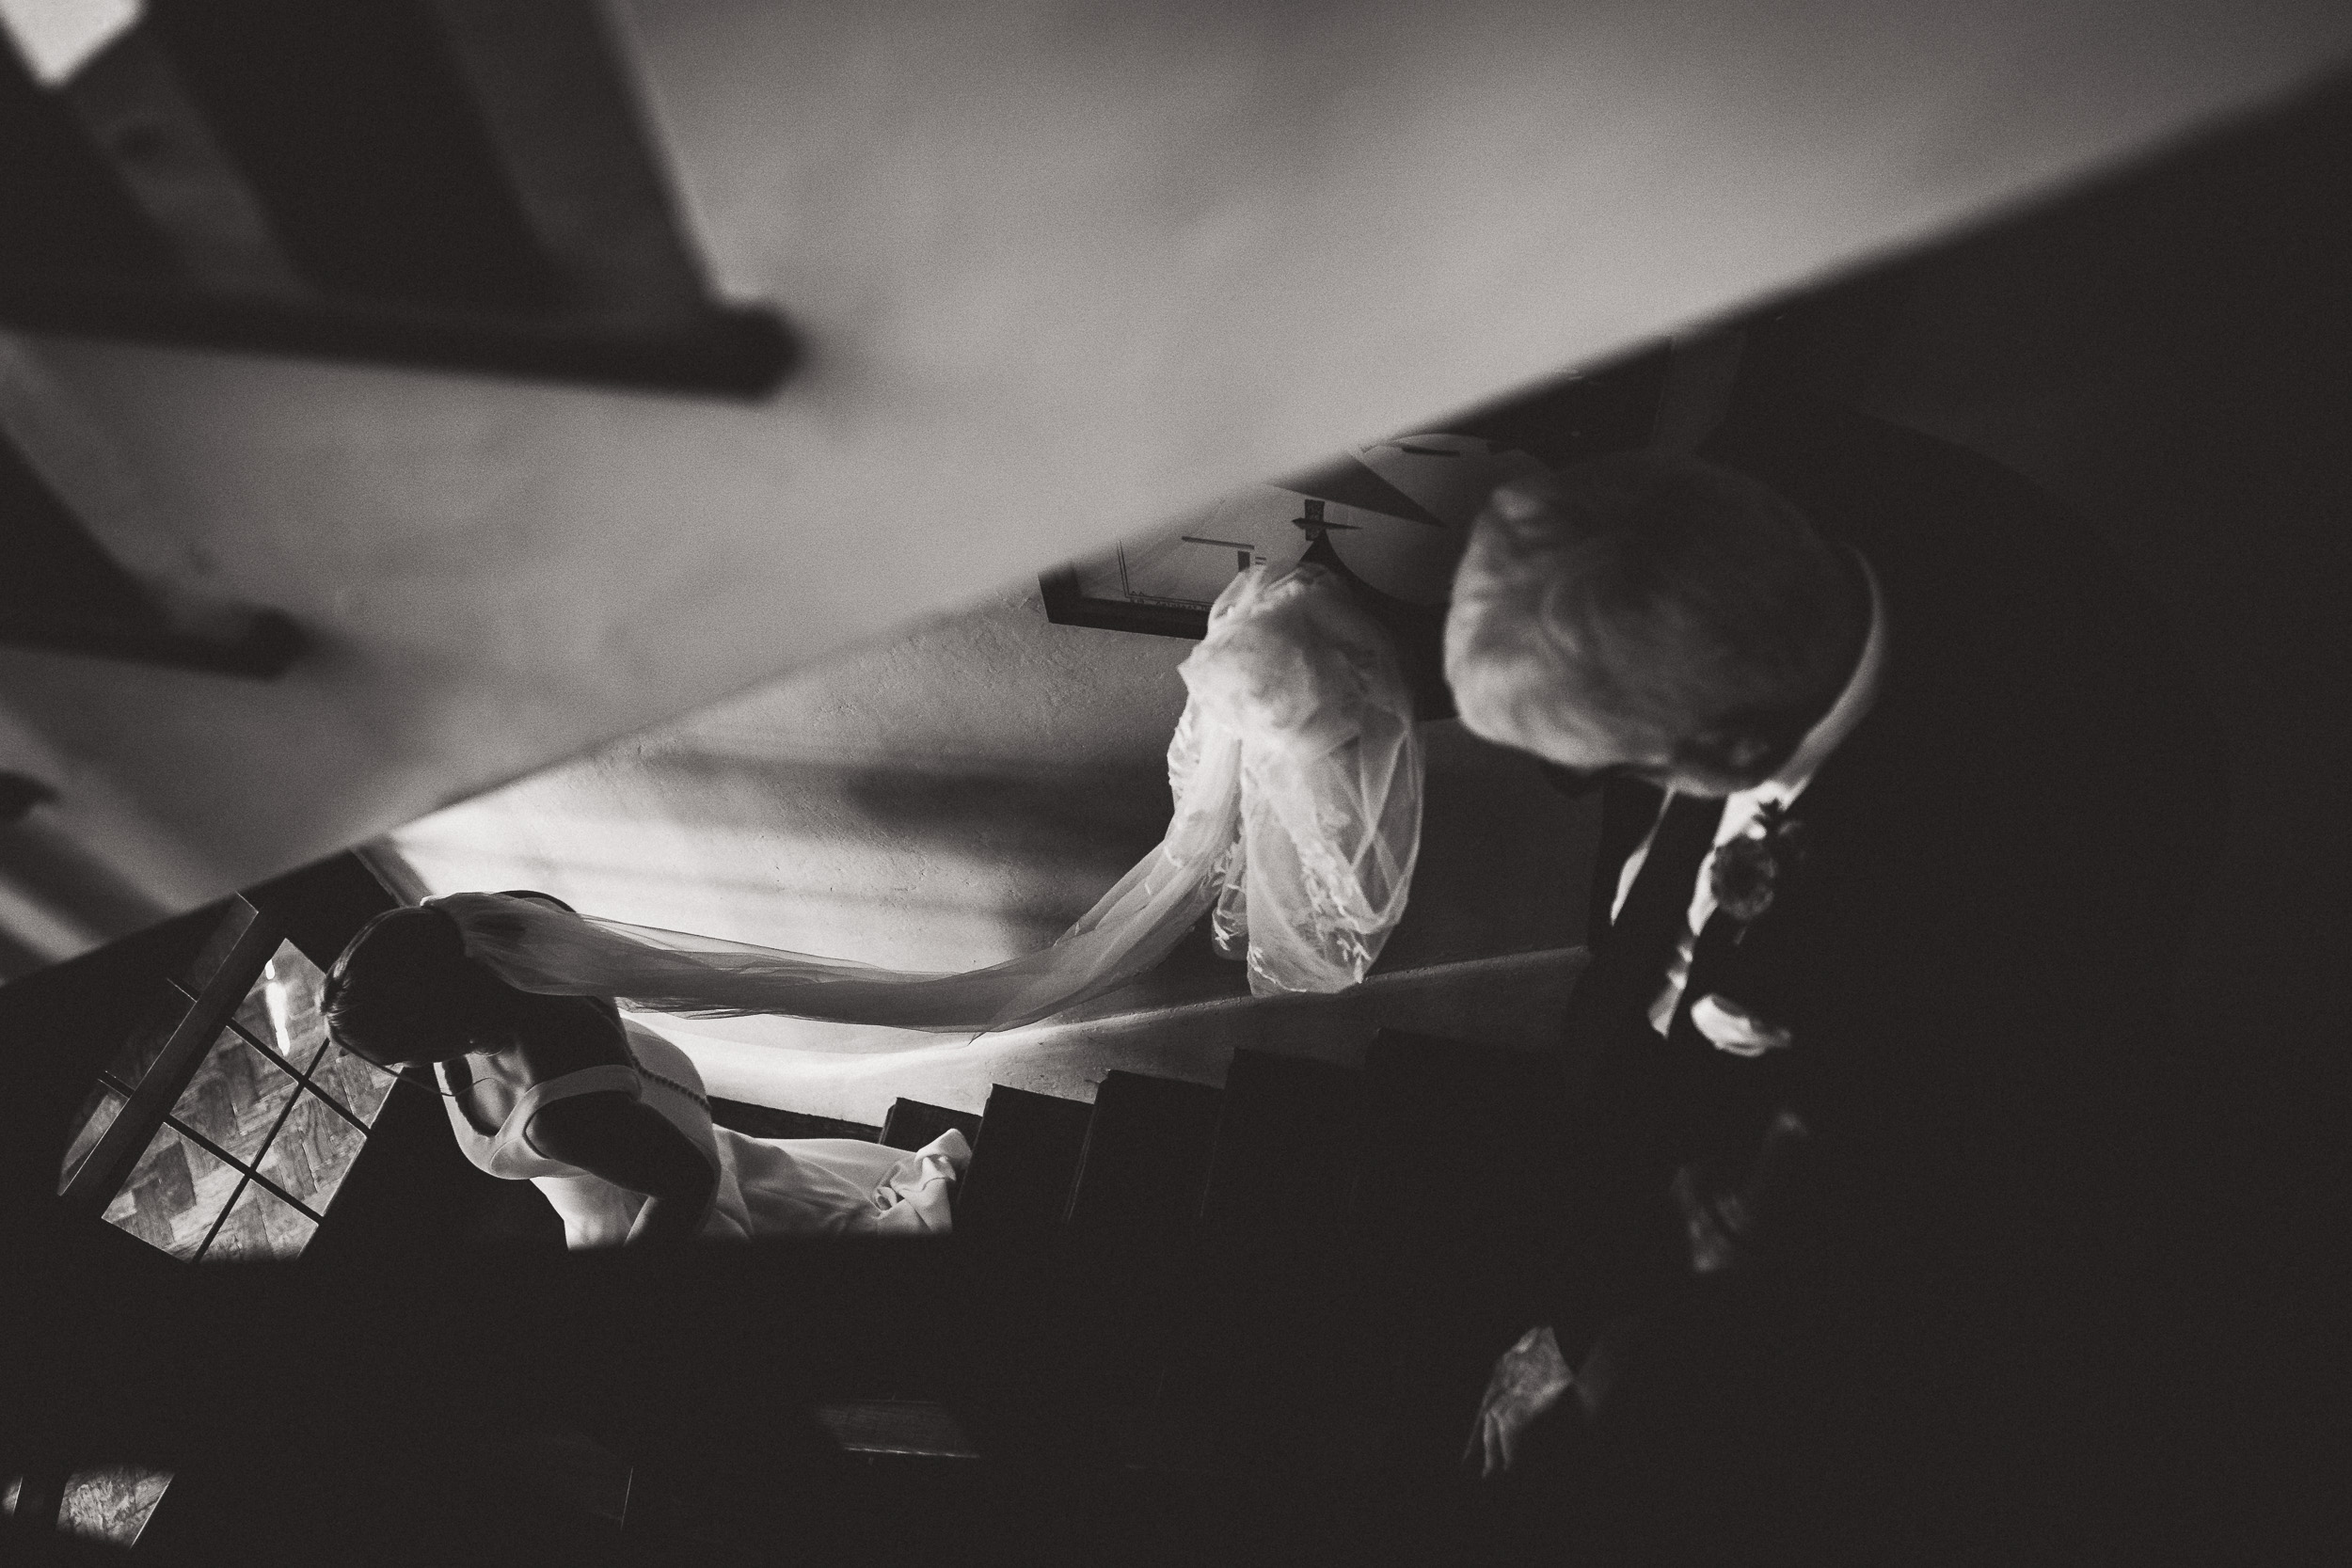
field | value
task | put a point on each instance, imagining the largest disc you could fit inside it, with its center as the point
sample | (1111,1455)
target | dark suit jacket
(1970,957)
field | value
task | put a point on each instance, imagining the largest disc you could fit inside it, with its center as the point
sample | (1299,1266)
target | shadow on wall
(909,864)
(1504,858)
(928,865)
(1056,838)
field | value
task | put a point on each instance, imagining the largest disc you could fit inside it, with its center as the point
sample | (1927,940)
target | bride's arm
(631,1145)
(611,1135)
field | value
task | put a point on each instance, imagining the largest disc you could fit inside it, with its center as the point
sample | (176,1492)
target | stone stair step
(912,1124)
(1024,1163)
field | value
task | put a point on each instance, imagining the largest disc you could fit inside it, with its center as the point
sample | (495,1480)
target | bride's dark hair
(405,981)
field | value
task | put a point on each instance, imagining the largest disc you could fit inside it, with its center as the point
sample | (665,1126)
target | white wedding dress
(767,1187)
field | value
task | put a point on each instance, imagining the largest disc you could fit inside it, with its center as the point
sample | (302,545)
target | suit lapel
(1629,810)
(1845,806)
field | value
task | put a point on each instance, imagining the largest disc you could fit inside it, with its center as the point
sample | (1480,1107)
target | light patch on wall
(57,37)
(945,800)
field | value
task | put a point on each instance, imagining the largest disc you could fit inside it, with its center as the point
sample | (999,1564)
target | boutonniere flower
(1748,870)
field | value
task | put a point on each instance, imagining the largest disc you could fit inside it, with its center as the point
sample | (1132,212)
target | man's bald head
(1656,614)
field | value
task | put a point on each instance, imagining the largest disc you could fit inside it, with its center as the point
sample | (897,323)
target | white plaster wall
(1065,269)
(955,797)
(942,801)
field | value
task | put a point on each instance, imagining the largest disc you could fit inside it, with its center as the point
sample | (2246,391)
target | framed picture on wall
(1163,582)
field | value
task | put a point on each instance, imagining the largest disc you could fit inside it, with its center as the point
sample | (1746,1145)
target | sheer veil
(1297,777)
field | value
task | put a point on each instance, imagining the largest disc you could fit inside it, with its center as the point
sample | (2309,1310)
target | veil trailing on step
(1297,782)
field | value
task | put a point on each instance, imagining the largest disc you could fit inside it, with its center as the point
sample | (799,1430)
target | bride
(605,1117)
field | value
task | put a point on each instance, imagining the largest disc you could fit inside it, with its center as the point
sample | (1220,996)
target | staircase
(1286,1288)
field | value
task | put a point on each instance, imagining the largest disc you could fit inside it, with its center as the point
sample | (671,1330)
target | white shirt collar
(1853,703)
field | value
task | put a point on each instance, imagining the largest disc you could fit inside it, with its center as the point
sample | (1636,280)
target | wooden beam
(62,592)
(259,643)
(545,79)
(734,351)
(140,119)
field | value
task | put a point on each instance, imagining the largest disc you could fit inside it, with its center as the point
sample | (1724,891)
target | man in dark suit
(1905,799)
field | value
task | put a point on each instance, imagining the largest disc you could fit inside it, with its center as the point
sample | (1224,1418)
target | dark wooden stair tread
(909,1427)
(1287,1142)
(912,1124)
(1024,1162)
(1149,1145)
(1137,1201)
(766,1121)
(1290,1138)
